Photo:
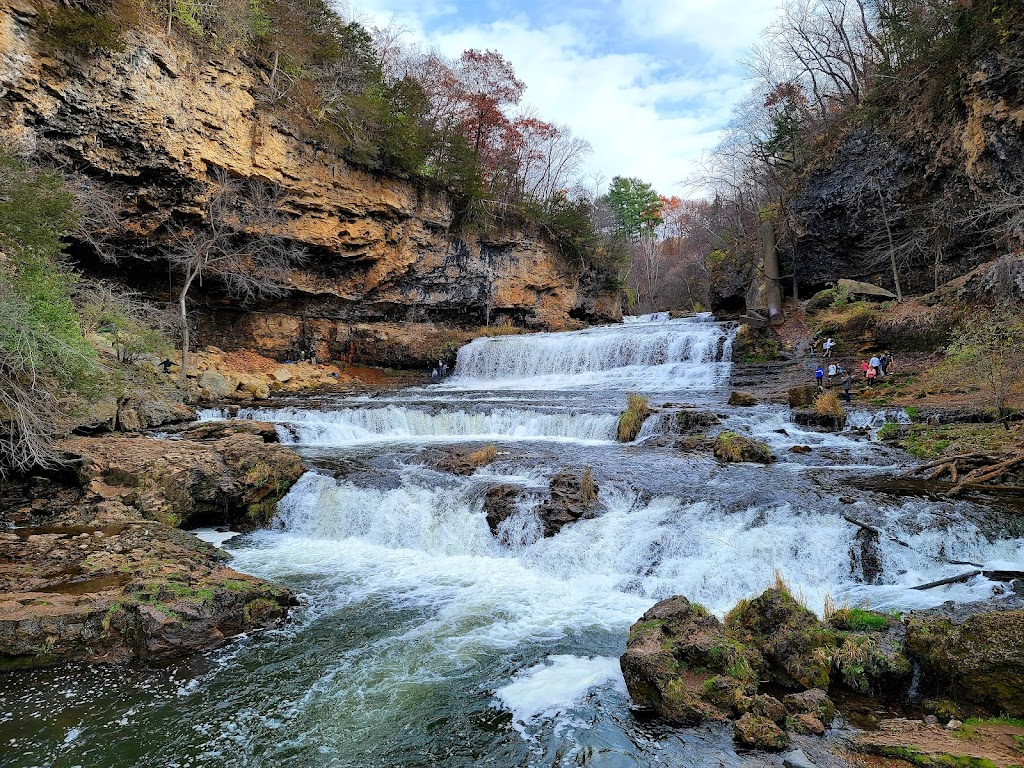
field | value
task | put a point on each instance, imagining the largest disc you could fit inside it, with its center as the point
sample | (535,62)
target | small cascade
(654,317)
(692,354)
(345,426)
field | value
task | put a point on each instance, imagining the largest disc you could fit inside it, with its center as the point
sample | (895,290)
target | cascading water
(426,640)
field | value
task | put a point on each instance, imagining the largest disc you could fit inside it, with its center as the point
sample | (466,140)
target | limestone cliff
(924,155)
(155,120)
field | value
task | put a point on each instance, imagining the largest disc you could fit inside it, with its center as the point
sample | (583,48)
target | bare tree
(238,244)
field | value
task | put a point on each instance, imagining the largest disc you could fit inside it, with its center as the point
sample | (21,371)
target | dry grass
(633,418)
(483,456)
(827,404)
(588,488)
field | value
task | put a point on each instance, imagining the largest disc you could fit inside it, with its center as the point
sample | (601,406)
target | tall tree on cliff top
(238,244)
(637,208)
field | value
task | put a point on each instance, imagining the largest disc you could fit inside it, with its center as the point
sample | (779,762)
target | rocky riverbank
(771,666)
(97,567)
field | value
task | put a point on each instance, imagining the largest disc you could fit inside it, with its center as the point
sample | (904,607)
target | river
(424,641)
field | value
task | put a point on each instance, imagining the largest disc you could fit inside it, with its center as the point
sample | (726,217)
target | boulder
(675,658)
(824,422)
(756,732)
(732,447)
(215,430)
(282,375)
(797,647)
(688,421)
(216,385)
(768,707)
(743,399)
(806,725)
(814,702)
(858,289)
(237,479)
(800,449)
(500,503)
(574,496)
(796,759)
(978,660)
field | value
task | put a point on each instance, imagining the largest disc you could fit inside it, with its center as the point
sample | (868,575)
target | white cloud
(645,114)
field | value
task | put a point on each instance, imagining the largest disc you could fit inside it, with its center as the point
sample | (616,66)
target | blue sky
(650,84)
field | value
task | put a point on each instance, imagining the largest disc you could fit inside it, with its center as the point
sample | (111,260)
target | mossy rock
(814,701)
(756,732)
(742,399)
(872,663)
(732,447)
(675,654)
(980,660)
(796,646)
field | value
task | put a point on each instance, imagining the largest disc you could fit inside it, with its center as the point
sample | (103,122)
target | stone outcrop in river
(99,570)
(686,665)
(151,123)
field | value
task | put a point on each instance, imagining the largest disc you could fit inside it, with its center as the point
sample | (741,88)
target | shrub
(483,456)
(633,418)
(44,357)
(70,29)
(588,488)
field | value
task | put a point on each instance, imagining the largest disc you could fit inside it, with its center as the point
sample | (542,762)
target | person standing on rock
(831,372)
(871,372)
(819,375)
(847,386)
(444,370)
(875,364)
(827,346)
(884,364)
(433,376)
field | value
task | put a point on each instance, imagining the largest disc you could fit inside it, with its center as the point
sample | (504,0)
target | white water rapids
(426,641)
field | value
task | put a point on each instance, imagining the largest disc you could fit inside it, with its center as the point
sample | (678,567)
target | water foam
(552,688)
(297,426)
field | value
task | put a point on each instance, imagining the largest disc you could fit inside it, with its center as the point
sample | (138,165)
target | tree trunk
(892,249)
(771,274)
(184,338)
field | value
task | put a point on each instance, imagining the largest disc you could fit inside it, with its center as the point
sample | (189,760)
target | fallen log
(950,580)
(874,530)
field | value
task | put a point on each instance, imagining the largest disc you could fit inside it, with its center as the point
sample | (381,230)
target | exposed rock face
(153,121)
(117,592)
(235,478)
(917,165)
(573,497)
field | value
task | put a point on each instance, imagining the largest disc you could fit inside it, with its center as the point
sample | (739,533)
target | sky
(649,83)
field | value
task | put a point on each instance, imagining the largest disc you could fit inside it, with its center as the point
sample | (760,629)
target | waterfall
(345,426)
(692,354)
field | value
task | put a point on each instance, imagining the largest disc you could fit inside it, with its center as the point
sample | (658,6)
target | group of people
(873,369)
(440,372)
(877,367)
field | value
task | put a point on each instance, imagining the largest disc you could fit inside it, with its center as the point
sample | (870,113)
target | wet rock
(814,702)
(743,399)
(797,648)
(214,430)
(237,479)
(501,503)
(674,657)
(756,732)
(574,496)
(806,725)
(866,556)
(978,660)
(689,421)
(825,422)
(796,759)
(465,462)
(727,694)
(873,663)
(800,449)
(732,447)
